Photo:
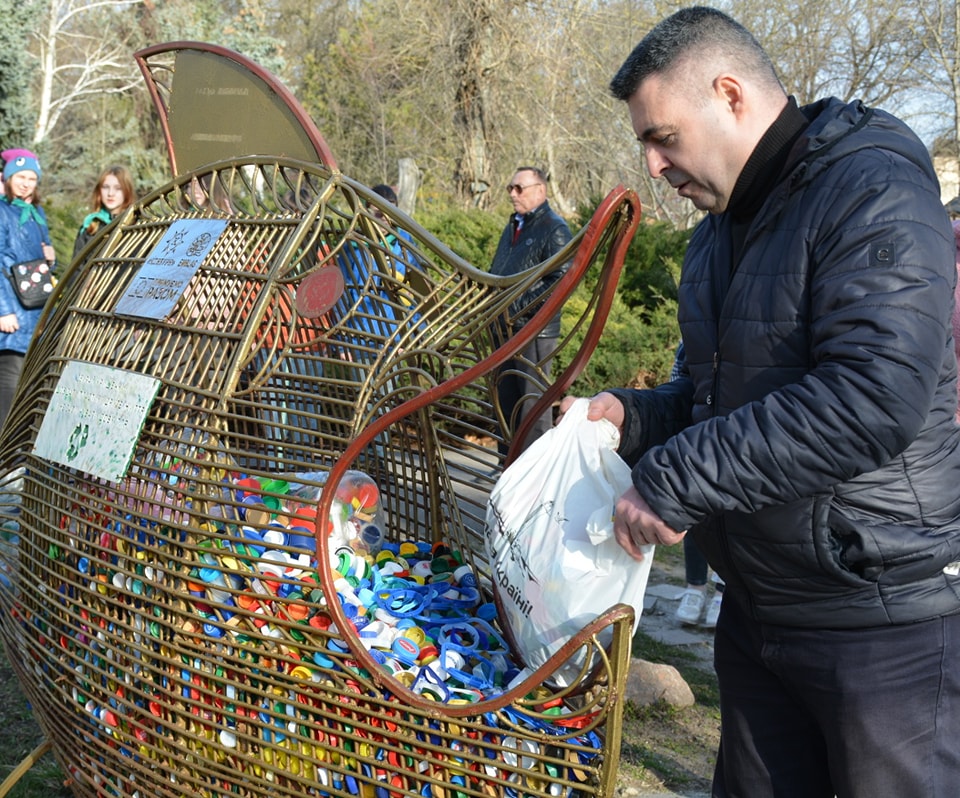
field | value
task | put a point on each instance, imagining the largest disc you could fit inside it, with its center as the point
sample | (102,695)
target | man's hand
(635,525)
(603,405)
(8,323)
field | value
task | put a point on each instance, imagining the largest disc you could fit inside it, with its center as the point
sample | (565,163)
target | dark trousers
(516,379)
(818,713)
(694,563)
(10,365)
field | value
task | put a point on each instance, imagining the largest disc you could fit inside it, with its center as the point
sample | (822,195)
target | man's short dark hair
(386,192)
(690,32)
(540,173)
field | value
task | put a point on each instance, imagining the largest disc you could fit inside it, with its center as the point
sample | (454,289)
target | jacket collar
(765,164)
(528,217)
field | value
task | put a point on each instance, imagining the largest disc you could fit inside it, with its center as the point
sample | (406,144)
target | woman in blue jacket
(23,236)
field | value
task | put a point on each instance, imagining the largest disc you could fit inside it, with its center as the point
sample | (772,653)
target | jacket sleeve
(8,301)
(879,279)
(653,416)
(559,236)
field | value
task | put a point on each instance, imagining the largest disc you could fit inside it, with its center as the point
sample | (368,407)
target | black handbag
(32,282)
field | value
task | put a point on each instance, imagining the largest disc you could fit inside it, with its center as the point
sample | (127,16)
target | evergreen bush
(641,332)
(473,235)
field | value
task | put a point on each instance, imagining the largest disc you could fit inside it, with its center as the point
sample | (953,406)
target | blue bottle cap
(212,630)
(405,650)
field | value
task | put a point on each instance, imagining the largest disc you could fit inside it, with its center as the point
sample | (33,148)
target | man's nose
(657,164)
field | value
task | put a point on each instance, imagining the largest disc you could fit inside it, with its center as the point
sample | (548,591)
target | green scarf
(103,215)
(28,211)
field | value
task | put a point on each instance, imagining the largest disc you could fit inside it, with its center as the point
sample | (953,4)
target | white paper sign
(163,277)
(94,419)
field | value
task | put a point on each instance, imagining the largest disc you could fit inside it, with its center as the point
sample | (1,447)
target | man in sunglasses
(534,233)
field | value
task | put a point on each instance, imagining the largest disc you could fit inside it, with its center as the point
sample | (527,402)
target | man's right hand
(603,405)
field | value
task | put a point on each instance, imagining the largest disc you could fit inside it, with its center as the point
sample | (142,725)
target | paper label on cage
(94,419)
(171,264)
(319,291)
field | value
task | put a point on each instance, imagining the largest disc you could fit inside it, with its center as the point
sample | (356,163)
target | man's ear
(729,88)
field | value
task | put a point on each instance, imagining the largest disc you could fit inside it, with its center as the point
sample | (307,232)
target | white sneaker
(691,606)
(713,610)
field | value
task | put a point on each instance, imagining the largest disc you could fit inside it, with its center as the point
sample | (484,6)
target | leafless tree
(936,27)
(80,57)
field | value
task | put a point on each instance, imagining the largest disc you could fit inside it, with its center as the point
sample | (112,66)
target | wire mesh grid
(163,652)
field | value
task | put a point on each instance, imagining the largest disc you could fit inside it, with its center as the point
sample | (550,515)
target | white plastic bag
(550,542)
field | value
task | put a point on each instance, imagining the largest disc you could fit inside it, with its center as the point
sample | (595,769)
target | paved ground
(660,605)
(660,623)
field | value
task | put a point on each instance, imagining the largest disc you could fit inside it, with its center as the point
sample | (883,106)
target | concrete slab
(665,591)
(673,636)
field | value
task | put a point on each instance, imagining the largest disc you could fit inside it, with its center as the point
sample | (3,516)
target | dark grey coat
(816,459)
(543,235)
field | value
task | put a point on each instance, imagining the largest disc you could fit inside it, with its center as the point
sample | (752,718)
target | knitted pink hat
(16,153)
(19,160)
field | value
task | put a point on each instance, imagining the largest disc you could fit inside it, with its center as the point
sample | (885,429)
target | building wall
(948,170)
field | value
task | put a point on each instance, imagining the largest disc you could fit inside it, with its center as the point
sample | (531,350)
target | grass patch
(19,736)
(703,682)
(667,748)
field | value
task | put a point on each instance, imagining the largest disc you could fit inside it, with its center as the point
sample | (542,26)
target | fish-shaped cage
(245,477)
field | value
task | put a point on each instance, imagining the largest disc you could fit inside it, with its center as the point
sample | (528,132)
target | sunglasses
(519,189)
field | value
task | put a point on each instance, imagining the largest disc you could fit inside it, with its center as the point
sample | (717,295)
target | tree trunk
(472,107)
(407,185)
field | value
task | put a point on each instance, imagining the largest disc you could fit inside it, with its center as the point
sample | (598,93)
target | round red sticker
(319,291)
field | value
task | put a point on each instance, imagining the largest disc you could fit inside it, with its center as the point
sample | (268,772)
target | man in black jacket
(533,234)
(811,449)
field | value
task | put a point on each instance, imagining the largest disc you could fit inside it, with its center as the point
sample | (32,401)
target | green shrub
(635,349)
(641,332)
(652,266)
(473,235)
(63,218)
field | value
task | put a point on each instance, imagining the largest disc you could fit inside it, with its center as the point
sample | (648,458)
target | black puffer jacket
(821,475)
(544,234)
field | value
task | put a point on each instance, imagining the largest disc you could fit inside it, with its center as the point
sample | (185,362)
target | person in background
(811,447)
(387,192)
(696,569)
(112,195)
(373,320)
(398,239)
(534,233)
(24,236)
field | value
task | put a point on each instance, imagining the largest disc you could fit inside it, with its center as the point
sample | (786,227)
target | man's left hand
(635,525)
